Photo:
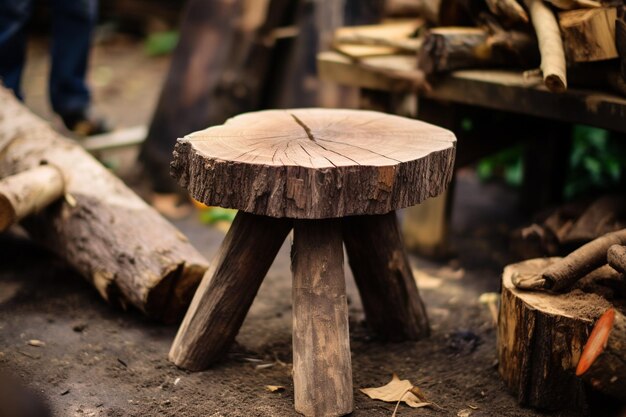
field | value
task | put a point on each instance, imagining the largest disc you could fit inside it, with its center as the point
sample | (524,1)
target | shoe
(83,124)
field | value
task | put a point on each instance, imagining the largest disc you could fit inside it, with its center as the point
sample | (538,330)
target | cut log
(589,34)
(540,340)
(315,163)
(448,48)
(322,369)
(550,45)
(616,257)
(603,361)
(120,244)
(227,290)
(29,192)
(392,304)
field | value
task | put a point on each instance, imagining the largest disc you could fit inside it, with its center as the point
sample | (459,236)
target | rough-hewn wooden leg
(393,307)
(322,371)
(228,289)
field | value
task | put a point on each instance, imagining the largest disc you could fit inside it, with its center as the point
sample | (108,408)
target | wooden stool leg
(322,370)
(227,290)
(392,304)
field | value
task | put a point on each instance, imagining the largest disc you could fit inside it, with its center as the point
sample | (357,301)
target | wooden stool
(334,176)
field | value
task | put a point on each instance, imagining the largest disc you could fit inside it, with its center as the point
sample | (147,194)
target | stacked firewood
(557,42)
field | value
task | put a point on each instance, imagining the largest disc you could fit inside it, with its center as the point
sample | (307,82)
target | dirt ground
(99,361)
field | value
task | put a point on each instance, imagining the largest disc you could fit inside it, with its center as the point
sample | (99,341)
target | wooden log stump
(130,253)
(227,290)
(393,307)
(322,370)
(29,192)
(540,340)
(603,361)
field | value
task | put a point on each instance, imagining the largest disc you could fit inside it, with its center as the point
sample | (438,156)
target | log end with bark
(29,192)
(541,337)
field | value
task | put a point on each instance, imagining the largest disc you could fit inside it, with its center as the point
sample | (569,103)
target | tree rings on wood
(315,163)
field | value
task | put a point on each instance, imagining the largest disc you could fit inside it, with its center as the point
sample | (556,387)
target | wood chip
(36,343)
(274,388)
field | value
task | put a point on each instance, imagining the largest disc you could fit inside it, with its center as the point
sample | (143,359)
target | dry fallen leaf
(274,388)
(398,390)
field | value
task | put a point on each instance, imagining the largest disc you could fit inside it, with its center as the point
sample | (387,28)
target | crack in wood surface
(304,126)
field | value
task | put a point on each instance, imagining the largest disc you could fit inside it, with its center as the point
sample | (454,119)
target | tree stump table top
(315,163)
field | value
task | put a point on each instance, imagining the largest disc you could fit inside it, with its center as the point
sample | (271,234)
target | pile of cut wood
(557,42)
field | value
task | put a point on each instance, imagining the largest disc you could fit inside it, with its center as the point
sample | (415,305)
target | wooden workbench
(508,108)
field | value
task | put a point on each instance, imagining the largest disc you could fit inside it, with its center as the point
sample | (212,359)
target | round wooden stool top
(315,163)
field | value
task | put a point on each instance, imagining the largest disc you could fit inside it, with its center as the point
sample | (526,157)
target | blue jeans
(72,26)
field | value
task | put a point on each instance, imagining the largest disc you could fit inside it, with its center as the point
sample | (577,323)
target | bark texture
(322,369)
(128,251)
(561,275)
(315,163)
(227,290)
(541,338)
(393,307)
(451,48)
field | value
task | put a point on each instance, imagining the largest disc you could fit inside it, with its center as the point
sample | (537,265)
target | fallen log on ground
(603,361)
(29,192)
(128,251)
(541,337)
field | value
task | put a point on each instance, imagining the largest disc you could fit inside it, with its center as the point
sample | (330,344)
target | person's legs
(13,17)
(72,25)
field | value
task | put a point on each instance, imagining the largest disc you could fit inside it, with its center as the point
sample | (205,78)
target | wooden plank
(494,89)
(120,138)
(322,369)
